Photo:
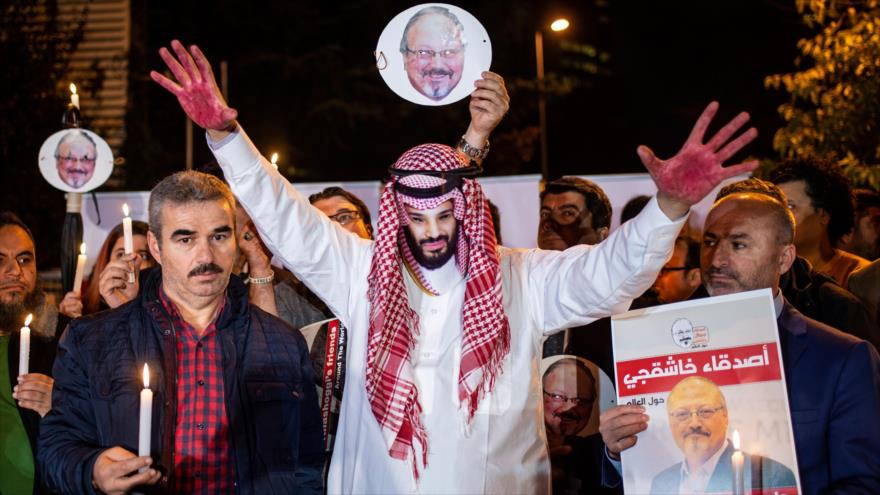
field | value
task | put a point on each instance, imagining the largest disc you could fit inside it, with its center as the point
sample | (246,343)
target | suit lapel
(792,334)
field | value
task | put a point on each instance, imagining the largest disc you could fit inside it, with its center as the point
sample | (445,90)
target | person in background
(821,198)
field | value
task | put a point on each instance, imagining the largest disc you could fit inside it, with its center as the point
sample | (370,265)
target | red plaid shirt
(202,450)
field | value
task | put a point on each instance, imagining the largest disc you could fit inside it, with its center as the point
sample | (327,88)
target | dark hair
(827,188)
(753,185)
(594,197)
(633,207)
(91,298)
(865,198)
(436,10)
(185,187)
(351,198)
(570,360)
(8,218)
(692,254)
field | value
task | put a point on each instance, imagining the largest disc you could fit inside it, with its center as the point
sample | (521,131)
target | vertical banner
(709,374)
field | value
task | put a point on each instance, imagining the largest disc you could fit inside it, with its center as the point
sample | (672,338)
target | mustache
(567,415)
(204,269)
(438,72)
(697,430)
(426,240)
(80,171)
(722,271)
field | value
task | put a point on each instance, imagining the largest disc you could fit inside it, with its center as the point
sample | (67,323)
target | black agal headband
(452,177)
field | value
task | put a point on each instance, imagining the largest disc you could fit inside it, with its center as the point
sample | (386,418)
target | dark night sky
(304,81)
(303,78)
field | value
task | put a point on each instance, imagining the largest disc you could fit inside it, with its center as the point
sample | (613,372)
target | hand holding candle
(128,243)
(24,346)
(80,269)
(146,418)
(737,459)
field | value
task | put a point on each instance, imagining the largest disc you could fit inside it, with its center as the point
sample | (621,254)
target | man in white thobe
(443,392)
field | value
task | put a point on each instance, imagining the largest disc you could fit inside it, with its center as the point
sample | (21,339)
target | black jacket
(275,427)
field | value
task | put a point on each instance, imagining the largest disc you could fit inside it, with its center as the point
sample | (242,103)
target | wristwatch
(473,152)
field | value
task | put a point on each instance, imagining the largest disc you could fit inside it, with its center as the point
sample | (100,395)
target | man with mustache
(433,47)
(24,399)
(75,157)
(234,406)
(442,392)
(698,420)
(832,378)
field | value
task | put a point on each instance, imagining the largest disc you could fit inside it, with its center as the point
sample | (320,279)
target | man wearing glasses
(433,51)
(698,421)
(346,209)
(75,158)
(680,277)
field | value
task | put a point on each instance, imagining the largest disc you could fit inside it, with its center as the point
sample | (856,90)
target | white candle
(126,230)
(24,346)
(146,418)
(737,460)
(127,241)
(74,98)
(80,269)
(274,160)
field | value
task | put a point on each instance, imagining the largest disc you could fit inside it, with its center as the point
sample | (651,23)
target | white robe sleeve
(323,255)
(584,283)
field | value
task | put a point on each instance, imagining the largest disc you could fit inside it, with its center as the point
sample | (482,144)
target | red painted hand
(692,174)
(195,87)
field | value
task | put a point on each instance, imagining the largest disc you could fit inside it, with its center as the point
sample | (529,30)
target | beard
(12,314)
(433,261)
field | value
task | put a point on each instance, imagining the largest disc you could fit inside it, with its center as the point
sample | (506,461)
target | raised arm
(488,105)
(584,283)
(318,251)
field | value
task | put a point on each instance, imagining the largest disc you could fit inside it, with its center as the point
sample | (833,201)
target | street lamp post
(557,25)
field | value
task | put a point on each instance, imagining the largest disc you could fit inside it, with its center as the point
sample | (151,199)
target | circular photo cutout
(576,392)
(75,160)
(431,54)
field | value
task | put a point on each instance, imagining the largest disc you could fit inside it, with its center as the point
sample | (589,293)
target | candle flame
(125,209)
(82,248)
(736,439)
(28,320)
(274,159)
(146,376)
(73,88)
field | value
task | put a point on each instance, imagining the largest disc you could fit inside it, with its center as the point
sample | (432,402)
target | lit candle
(737,461)
(80,269)
(74,98)
(128,243)
(274,160)
(24,346)
(146,418)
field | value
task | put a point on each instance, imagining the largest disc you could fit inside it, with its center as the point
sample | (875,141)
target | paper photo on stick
(709,374)
(75,160)
(431,54)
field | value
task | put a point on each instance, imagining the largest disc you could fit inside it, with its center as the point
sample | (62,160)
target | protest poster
(709,373)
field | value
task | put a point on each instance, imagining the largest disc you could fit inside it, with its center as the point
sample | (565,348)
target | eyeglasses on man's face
(682,415)
(74,159)
(430,54)
(345,217)
(561,399)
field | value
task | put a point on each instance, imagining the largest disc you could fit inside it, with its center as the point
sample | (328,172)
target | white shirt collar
(778,303)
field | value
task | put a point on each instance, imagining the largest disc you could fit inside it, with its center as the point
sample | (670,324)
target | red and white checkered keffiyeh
(394,326)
